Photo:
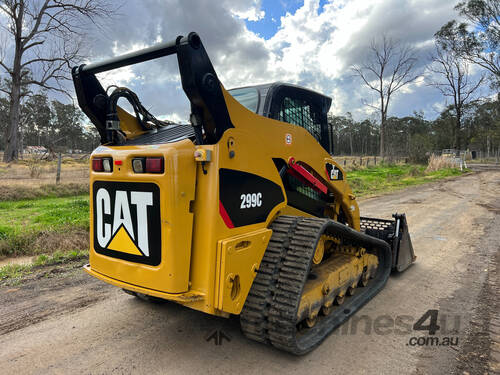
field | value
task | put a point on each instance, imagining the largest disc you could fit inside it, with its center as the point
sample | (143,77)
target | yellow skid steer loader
(243,211)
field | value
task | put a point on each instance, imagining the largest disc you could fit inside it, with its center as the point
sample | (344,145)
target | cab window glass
(248,97)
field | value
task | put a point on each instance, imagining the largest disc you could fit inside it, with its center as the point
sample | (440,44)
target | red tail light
(154,165)
(97,165)
(102,164)
(148,165)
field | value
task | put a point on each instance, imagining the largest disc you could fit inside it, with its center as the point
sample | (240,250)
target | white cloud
(311,48)
(250,10)
(251,14)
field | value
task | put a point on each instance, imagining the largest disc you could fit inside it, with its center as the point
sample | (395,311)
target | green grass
(17,271)
(386,178)
(14,271)
(46,214)
(28,225)
(60,257)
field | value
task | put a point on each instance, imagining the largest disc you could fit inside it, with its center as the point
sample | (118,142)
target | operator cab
(289,103)
(299,106)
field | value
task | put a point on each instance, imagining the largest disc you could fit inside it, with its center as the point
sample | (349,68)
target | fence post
(345,162)
(375,160)
(58,175)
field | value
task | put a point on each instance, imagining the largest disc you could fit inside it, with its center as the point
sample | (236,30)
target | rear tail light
(147,165)
(154,165)
(138,165)
(102,164)
(107,164)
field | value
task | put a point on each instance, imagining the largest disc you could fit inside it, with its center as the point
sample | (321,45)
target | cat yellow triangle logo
(123,243)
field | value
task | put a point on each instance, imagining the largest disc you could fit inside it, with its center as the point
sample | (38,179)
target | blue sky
(274,10)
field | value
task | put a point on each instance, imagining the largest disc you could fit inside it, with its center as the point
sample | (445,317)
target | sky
(313,43)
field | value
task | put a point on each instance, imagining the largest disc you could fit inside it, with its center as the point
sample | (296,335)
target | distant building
(35,150)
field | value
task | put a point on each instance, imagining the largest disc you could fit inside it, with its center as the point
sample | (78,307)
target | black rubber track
(270,311)
(254,316)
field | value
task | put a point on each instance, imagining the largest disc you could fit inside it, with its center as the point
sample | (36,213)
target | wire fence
(31,171)
(368,161)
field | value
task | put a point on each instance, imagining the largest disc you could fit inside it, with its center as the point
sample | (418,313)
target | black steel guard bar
(199,81)
(146,54)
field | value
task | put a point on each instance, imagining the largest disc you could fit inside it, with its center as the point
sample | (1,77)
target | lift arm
(199,81)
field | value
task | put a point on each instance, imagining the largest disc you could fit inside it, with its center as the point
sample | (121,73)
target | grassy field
(385,178)
(29,227)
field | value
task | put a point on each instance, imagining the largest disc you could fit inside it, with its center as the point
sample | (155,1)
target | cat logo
(332,172)
(126,221)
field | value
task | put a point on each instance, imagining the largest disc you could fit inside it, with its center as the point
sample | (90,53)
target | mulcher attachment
(395,233)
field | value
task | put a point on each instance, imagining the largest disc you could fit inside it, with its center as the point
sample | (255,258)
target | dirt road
(65,322)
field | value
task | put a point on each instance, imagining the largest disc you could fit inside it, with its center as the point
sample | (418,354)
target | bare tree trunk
(11,151)
(382,136)
(350,142)
(458,100)
(488,145)
(382,114)
(11,147)
(21,144)
(408,142)
(383,118)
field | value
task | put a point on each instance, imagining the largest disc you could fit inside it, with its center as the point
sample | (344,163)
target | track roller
(270,313)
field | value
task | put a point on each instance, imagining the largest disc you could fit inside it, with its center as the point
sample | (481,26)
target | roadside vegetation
(15,193)
(385,178)
(30,227)
(15,272)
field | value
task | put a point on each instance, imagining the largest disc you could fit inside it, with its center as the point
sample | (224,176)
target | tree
(449,73)
(351,137)
(4,117)
(483,124)
(45,39)
(410,136)
(478,39)
(36,126)
(55,125)
(67,121)
(388,68)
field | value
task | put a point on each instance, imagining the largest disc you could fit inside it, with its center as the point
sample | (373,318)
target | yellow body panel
(180,297)
(238,258)
(177,187)
(199,256)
